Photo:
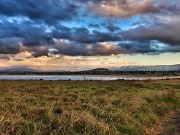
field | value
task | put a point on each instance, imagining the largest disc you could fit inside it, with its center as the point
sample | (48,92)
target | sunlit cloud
(63,62)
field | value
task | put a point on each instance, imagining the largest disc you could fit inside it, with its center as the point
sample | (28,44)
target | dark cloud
(146,47)
(77,49)
(37,27)
(65,47)
(39,51)
(167,33)
(49,11)
(4,57)
(54,11)
(83,35)
(9,46)
(155,38)
(105,36)
(28,33)
(34,38)
(137,47)
(115,8)
(16,37)
(113,28)
(128,8)
(18,59)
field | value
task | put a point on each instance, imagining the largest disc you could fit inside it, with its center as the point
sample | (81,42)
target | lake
(80,77)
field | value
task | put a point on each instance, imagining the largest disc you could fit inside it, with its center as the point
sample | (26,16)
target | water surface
(79,77)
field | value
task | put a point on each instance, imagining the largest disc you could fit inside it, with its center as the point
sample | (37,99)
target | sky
(87,34)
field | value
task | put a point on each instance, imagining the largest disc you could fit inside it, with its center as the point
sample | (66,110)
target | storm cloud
(166,33)
(75,49)
(53,28)
(49,11)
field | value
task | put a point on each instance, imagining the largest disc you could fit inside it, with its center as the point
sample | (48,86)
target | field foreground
(87,107)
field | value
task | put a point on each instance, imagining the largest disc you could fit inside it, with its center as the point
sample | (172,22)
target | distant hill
(28,70)
(149,68)
(98,71)
(18,69)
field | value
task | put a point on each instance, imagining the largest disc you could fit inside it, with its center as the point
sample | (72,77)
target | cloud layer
(54,28)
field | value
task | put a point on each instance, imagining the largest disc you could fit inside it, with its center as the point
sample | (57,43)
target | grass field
(86,107)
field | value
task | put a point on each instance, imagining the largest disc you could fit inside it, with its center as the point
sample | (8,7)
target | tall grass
(86,107)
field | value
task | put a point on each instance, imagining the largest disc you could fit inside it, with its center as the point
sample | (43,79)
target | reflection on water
(79,77)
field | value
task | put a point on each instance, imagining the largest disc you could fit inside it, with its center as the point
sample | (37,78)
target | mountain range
(122,68)
(149,68)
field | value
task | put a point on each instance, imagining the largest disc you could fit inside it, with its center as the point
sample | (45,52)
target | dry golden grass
(86,107)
